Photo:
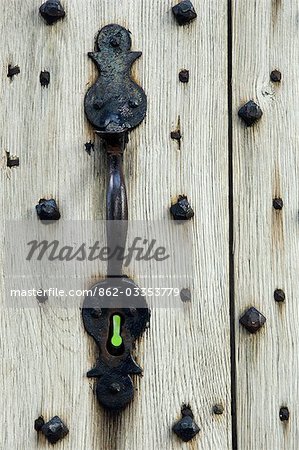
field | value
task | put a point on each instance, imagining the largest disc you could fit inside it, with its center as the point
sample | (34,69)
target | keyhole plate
(131,315)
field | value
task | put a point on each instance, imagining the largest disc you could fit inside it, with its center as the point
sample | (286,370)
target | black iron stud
(12,161)
(275,76)
(252,320)
(184,76)
(47,210)
(277,203)
(284,414)
(186,428)
(54,430)
(218,409)
(176,135)
(185,295)
(12,71)
(182,209)
(250,113)
(39,423)
(44,78)
(42,296)
(184,12)
(279,295)
(51,11)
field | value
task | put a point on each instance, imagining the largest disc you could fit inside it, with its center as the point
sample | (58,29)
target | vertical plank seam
(231,227)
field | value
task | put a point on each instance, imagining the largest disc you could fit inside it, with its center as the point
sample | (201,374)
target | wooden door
(243,248)
(265,166)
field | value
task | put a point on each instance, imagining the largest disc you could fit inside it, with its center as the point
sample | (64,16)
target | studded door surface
(219,370)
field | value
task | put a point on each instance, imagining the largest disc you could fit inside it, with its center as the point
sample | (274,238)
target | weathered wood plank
(185,353)
(266,162)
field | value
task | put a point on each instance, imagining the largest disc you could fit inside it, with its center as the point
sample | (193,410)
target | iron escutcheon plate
(114,388)
(115,103)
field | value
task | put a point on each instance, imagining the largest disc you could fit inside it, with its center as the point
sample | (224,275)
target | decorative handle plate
(114,105)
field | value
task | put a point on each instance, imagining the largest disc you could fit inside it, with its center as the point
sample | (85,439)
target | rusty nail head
(115,388)
(250,113)
(277,203)
(42,296)
(186,428)
(218,409)
(182,209)
(47,210)
(51,11)
(89,146)
(44,78)
(54,430)
(184,76)
(284,413)
(134,103)
(185,295)
(115,41)
(184,12)
(12,161)
(39,423)
(275,76)
(12,71)
(252,320)
(176,135)
(279,295)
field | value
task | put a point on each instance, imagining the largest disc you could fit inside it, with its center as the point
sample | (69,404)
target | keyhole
(116,339)
(115,344)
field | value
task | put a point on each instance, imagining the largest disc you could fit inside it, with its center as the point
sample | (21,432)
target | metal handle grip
(116,203)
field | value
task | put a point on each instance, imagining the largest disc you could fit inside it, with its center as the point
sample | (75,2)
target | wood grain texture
(266,165)
(45,352)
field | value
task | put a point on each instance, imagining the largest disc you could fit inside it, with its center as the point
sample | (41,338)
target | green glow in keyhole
(116,339)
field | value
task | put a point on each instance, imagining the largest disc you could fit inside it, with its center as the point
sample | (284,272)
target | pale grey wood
(185,354)
(266,162)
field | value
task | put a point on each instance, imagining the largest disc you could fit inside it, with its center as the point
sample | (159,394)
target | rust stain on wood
(112,423)
(193,444)
(276,6)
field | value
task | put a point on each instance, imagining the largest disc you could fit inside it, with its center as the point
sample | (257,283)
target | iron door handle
(114,105)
